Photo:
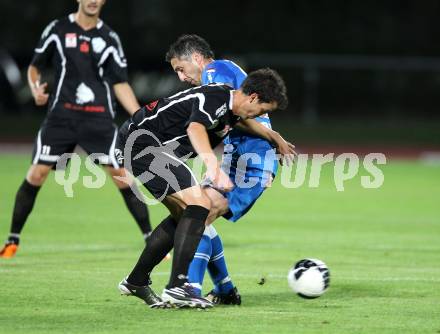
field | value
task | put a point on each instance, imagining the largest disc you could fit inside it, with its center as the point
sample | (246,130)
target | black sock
(24,202)
(159,243)
(186,239)
(13,238)
(138,209)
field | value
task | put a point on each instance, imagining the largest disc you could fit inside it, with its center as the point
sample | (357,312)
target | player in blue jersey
(193,60)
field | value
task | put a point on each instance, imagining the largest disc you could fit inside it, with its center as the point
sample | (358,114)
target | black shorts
(156,166)
(60,135)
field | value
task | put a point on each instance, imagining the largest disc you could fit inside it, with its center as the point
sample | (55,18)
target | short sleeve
(46,46)
(208,108)
(113,61)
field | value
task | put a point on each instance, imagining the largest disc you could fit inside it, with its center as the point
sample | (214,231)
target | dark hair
(269,86)
(186,45)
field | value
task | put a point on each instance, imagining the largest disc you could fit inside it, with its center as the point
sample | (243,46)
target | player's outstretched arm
(199,140)
(126,97)
(286,149)
(38,90)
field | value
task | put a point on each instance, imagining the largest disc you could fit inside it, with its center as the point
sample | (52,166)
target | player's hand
(287,152)
(39,94)
(219,179)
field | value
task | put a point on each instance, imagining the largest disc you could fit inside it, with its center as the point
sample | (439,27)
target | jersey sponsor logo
(211,70)
(84,94)
(84,38)
(98,44)
(71,41)
(76,107)
(221,110)
(84,47)
(150,106)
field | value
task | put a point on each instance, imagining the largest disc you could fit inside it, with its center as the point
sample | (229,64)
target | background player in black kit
(90,70)
(156,142)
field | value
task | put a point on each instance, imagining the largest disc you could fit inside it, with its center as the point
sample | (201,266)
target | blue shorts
(251,164)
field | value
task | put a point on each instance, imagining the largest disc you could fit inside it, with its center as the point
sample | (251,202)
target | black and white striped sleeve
(48,42)
(208,108)
(113,61)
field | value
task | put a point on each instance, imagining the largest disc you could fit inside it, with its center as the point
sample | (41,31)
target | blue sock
(197,268)
(217,265)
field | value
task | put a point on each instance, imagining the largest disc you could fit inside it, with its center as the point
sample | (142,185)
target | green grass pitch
(382,247)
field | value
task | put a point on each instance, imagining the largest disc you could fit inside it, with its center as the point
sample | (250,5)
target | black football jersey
(87,64)
(168,118)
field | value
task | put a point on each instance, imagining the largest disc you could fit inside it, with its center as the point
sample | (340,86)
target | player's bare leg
(137,208)
(219,205)
(37,174)
(24,202)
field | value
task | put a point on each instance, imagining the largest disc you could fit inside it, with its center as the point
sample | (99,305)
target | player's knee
(37,174)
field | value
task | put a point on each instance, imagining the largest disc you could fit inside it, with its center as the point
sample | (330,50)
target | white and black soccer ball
(309,278)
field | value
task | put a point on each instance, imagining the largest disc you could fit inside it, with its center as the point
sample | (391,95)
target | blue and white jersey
(223,71)
(228,72)
(238,142)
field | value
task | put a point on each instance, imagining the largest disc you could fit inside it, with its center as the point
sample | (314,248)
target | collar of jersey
(72,20)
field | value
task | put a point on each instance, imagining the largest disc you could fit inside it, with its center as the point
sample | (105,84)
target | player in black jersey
(90,71)
(155,144)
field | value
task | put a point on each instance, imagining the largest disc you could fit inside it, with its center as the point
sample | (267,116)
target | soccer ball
(309,278)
